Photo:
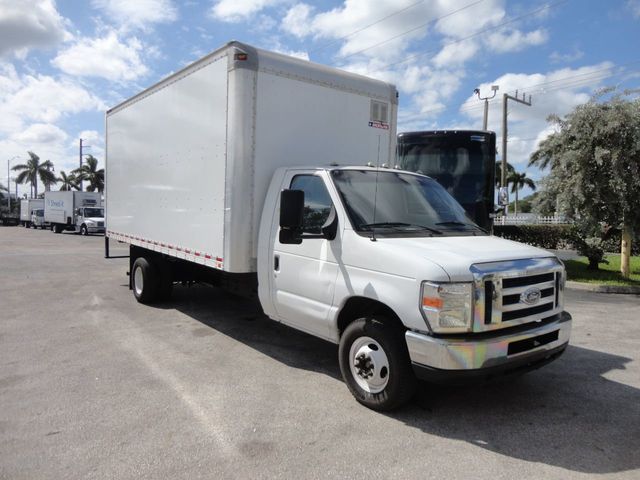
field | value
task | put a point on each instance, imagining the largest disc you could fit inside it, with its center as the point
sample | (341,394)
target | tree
(69,182)
(510,170)
(594,157)
(89,172)
(30,171)
(519,181)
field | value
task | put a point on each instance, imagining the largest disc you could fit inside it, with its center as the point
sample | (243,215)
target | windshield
(93,212)
(400,202)
(39,213)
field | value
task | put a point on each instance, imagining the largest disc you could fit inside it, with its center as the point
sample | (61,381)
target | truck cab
(388,265)
(89,220)
(37,218)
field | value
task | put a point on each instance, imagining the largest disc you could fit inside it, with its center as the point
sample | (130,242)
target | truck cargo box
(26,207)
(59,206)
(189,160)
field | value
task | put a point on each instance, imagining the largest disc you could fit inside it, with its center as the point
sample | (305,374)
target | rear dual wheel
(151,281)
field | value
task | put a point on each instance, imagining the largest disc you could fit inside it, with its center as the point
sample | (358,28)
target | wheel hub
(369,364)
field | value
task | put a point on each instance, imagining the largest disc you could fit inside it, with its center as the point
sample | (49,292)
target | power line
(414,29)
(564,82)
(333,42)
(480,32)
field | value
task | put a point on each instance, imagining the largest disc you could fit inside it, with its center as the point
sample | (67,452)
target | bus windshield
(462,162)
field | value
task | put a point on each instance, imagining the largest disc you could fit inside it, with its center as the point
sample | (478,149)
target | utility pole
(505,98)
(80,158)
(494,89)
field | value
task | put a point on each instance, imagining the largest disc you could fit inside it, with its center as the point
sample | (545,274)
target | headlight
(447,307)
(90,222)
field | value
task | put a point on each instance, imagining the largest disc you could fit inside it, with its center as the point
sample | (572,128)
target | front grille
(101,224)
(516,292)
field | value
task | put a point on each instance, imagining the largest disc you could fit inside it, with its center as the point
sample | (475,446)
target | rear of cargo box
(165,168)
(189,160)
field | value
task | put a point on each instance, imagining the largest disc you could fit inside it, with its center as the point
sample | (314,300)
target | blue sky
(62,64)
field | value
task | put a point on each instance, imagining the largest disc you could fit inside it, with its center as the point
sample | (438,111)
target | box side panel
(166,166)
(58,206)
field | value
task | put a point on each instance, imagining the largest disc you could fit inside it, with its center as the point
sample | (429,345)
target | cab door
(304,275)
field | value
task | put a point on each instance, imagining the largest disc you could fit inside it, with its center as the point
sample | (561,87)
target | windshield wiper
(400,226)
(455,223)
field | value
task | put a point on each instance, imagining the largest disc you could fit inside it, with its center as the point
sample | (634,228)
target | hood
(95,219)
(456,254)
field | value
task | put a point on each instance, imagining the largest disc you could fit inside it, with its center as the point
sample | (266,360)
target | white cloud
(515,40)
(107,57)
(296,21)
(557,57)
(39,134)
(239,10)
(456,53)
(39,99)
(634,6)
(138,13)
(36,25)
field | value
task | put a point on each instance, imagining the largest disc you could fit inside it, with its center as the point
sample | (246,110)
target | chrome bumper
(456,354)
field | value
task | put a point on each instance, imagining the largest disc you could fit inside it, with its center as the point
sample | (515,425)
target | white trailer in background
(235,171)
(81,212)
(27,206)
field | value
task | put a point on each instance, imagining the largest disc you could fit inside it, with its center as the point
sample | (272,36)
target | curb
(599,288)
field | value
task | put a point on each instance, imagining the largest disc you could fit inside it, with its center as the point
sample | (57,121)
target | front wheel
(375,364)
(83,230)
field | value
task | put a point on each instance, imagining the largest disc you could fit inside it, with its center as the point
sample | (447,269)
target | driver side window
(317,202)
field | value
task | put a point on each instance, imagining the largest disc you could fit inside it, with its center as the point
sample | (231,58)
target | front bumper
(458,359)
(95,229)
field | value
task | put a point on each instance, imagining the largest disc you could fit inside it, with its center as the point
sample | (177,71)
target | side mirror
(503,196)
(291,215)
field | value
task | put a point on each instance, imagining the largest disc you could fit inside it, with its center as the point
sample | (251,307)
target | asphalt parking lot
(95,385)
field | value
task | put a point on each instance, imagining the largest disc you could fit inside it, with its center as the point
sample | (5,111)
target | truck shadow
(567,414)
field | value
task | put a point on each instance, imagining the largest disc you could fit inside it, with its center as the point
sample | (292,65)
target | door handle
(276,263)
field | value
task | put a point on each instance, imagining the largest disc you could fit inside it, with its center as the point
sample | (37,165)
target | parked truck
(37,219)
(268,175)
(80,212)
(27,206)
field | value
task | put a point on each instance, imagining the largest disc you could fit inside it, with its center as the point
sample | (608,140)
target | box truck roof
(246,56)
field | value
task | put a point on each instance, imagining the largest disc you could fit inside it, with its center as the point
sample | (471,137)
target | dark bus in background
(462,161)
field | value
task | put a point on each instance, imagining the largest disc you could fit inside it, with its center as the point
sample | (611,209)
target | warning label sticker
(383,125)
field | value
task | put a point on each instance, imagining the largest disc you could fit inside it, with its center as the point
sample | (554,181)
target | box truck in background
(37,219)
(80,212)
(235,171)
(26,209)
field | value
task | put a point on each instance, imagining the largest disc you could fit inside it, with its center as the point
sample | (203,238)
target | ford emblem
(531,296)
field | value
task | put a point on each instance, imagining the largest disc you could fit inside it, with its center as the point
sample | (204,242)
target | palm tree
(518,181)
(89,172)
(69,182)
(510,170)
(30,171)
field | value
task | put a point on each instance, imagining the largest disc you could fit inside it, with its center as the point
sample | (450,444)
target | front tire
(375,364)
(145,281)
(84,230)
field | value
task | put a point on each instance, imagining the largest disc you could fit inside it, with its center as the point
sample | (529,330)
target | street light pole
(494,89)
(80,158)
(505,98)
(9,183)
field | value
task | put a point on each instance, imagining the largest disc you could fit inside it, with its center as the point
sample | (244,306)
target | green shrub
(556,237)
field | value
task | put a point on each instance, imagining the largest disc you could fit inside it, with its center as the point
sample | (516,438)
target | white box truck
(80,212)
(235,171)
(27,206)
